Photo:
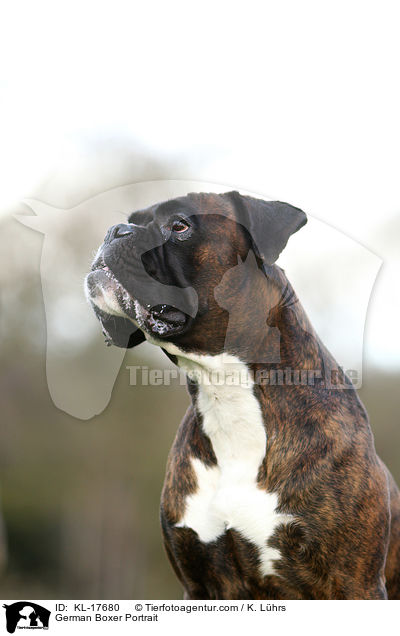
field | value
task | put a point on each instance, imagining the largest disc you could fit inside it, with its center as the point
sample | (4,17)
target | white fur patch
(227,495)
(107,302)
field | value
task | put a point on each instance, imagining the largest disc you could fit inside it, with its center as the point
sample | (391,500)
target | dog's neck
(287,336)
(269,329)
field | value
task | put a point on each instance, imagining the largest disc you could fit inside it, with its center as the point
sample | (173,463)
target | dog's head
(175,270)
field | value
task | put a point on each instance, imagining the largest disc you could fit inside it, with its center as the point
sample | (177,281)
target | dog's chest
(227,494)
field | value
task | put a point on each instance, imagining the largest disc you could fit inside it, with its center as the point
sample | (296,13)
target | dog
(273,488)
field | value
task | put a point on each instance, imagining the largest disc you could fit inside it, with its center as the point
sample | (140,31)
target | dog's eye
(179,226)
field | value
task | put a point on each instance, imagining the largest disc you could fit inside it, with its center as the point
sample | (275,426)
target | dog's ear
(269,224)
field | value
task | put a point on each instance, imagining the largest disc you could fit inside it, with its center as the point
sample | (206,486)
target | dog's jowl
(273,488)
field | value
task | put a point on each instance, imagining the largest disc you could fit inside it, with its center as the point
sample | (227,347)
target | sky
(294,101)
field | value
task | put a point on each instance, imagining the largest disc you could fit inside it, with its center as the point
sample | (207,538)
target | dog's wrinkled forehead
(192,204)
(269,224)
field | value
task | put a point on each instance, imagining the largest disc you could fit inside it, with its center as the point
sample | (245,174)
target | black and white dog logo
(26,615)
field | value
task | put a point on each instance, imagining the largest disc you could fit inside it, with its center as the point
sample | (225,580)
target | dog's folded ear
(269,224)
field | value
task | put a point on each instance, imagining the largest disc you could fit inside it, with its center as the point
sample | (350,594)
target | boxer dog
(273,488)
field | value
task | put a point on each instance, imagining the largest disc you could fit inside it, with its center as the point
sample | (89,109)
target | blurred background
(104,111)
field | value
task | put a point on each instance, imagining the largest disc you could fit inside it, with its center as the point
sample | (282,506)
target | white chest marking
(227,495)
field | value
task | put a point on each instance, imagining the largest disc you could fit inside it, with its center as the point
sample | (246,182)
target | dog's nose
(118,231)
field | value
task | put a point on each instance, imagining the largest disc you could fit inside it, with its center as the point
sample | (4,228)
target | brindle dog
(273,488)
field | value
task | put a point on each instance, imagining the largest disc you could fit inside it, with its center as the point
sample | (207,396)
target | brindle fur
(321,460)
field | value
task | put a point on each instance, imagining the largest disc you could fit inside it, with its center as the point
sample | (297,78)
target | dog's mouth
(125,318)
(161,321)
